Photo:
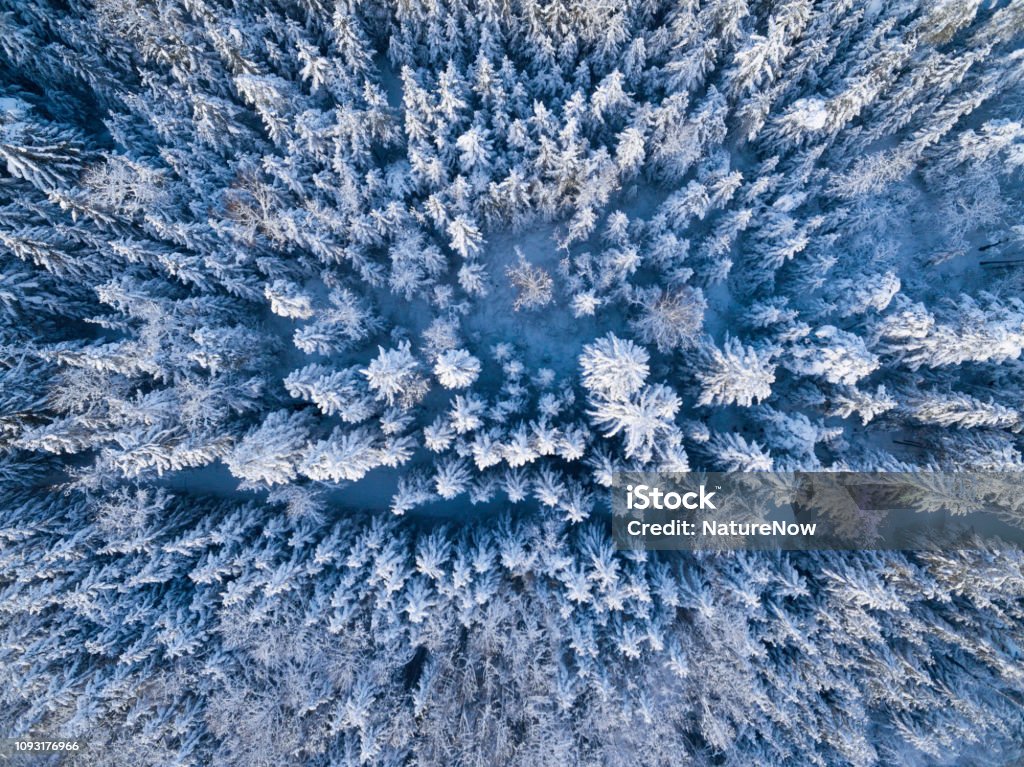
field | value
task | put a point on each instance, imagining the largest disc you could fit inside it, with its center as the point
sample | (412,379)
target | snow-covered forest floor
(326,326)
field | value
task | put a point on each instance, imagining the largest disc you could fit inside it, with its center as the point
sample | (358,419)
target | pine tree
(394,376)
(735,374)
(42,154)
(272,451)
(456,369)
(643,419)
(614,368)
(345,455)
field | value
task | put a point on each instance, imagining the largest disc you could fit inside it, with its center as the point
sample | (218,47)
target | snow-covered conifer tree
(394,376)
(346,454)
(735,374)
(456,369)
(272,452)
(614,368)
(643,419)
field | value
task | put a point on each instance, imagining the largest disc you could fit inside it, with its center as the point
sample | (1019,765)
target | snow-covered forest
(327,323)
